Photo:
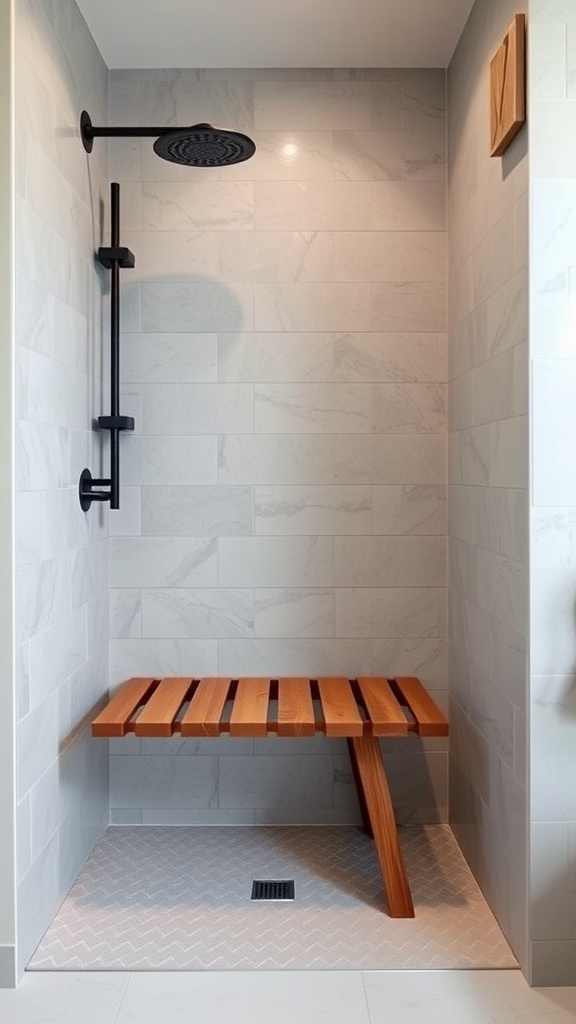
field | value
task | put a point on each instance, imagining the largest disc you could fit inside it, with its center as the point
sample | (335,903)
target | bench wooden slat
(250,710)
(157,717)
(384,711)
(203,715)
(430,720)
(114,718)
(295,708)
(341,715)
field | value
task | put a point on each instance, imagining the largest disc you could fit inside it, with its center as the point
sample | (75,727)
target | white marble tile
(418,509)
(184,816)
(340,408)
(165,657)
(197,306)
(553,699)
(389,156)
(163,782)
(197,613)
(424,102)
(197,206)
(408,306)
(571,60)
(470,455)
(125,613)
(38,739)
(389,561)
(294,612)
(55,654)
(552,902)
(61,998)
(163,561)
(42,595)
(313,307)
(313,510)
(390,256)
(173,254)
(408,206)
(312,105)
(298,997)
(385,357)
(197,408)
(223,510)
(169,459)
(312,206)
(168,358)
(276,781)
(125,521)
(275,357)
(390,612)
(553,156)
(409,408)
(393,459)
(174,100)
(508,460)
(387,113)
(275,459)
(89,573)
(553,429)
(552,557)
(275,562)
(306,255)
(42,456)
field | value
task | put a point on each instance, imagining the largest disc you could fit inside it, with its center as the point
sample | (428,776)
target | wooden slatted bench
(361,710)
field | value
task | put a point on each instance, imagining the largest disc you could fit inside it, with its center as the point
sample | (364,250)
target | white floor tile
(291,997)
(66,998)
(473,997)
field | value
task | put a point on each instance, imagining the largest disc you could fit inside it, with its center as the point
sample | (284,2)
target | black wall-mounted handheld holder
(114,257)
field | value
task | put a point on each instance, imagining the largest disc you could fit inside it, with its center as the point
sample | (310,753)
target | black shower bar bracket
(89,132)
(114,258)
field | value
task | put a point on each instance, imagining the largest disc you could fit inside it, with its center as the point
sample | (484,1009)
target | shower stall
(286,503)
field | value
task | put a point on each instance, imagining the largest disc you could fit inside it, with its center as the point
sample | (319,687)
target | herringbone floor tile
(155,898)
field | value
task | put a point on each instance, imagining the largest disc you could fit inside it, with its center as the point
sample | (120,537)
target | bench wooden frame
(361,710)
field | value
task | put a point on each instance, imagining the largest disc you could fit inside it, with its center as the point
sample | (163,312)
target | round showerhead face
(204,146)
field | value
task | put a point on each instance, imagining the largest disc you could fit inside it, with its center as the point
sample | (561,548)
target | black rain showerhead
(198,146)
(204,146)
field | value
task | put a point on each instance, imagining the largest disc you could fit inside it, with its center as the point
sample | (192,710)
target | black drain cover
(272,890)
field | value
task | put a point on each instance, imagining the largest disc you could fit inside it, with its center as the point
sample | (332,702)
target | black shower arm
(89,131)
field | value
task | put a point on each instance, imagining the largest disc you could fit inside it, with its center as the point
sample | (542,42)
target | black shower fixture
(200,145)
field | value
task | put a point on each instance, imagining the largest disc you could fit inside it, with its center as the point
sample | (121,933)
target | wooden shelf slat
(157,716)
(250,710)
(385,713)
(430,720)
(341,715)
(295,708)
(114,718)
(205,711)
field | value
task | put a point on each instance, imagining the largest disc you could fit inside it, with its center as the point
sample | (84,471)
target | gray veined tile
(168,357)
(372,357)
(340,408)
(276,562)
(195,307)
(197,408)
(294,612)
(275,357)
(313,510)
(221,510)
(197,613)
(163,561)
(197,206)
(275,459)
(409,408)
(387,612)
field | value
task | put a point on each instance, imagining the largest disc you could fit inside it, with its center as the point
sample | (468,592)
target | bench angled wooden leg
(369,768)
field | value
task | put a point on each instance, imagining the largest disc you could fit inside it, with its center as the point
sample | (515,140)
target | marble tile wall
(553,507)
(61,553)
(284,354)
(488,479)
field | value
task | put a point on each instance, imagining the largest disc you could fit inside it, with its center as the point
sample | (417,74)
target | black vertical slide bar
(115,347)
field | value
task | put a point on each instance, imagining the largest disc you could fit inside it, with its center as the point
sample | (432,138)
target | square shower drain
(273,890)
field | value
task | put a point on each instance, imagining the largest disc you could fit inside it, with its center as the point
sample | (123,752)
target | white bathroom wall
(553,500)
(7,746)
(283,353)
(488,477)
(61,553)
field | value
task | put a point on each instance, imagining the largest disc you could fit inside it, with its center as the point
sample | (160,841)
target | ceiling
(275,33)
